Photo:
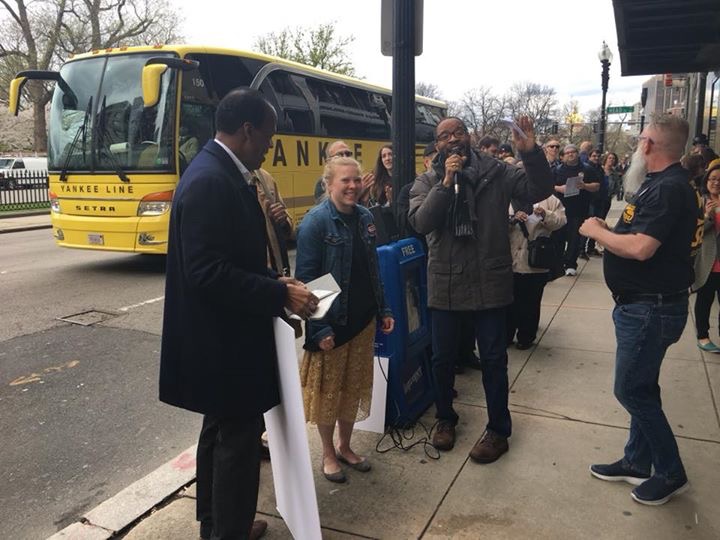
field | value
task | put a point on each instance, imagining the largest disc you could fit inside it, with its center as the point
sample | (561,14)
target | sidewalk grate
(89,318)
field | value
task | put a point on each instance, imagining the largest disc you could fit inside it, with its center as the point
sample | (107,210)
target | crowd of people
(498,220)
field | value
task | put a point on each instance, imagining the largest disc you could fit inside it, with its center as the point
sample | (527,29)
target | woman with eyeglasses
(707,263)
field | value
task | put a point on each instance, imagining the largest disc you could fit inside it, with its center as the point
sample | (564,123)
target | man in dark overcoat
(218,349)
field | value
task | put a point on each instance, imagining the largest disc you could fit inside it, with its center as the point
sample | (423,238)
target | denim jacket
(324,245)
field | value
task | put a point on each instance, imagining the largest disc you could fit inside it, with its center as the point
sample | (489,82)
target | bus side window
(424,124)
(294,113)
(346,112)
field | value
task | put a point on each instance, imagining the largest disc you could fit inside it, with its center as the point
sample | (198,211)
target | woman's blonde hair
(339,161)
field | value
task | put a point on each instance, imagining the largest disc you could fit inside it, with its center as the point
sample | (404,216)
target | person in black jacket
(599,204)
(576,205)
(218,348)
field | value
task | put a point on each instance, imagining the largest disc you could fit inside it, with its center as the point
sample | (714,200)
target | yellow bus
(125,122)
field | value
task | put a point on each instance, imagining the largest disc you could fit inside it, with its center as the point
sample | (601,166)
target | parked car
(22,172)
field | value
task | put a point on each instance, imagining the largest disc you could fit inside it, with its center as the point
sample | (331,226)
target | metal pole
(403,102)
(701,90)
(643,101)
(603,112)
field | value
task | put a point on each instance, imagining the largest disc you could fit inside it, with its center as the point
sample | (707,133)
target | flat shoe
(708,347)
(362,466)
(336,477)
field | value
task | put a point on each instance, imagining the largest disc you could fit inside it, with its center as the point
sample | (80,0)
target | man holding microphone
(461,206)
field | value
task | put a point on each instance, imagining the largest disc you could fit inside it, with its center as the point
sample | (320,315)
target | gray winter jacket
(475,273)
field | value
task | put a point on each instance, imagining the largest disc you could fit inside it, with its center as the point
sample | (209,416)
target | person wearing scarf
(461,206)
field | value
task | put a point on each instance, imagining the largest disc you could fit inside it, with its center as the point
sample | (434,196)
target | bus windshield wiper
(102,143)
(82,130)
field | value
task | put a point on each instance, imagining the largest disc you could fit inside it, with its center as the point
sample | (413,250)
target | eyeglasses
(552,146)
(459,133)
(343,153)
(645,138)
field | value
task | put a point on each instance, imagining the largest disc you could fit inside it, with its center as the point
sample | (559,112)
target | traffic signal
(554,128)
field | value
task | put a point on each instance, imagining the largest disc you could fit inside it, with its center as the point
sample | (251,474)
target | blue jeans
(490,332)
(644,332)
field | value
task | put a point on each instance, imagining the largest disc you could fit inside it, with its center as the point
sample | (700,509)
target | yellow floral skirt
(337,384)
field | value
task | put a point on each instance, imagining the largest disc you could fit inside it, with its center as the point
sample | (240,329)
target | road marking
(145,303)
(37,377)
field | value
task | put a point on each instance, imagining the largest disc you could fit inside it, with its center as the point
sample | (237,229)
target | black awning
(668,36)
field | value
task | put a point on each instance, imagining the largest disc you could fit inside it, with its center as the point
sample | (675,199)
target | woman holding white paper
(338,237)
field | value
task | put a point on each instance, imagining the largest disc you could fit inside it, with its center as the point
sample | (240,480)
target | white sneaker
(570,272)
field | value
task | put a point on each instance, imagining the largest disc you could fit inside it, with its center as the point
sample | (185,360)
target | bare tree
(318,47)
(29,41)
(98,24)
(481,110)
(428,90)
(537,101)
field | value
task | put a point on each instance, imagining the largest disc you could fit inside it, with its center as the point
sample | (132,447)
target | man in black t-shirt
(648,269)
(577,204)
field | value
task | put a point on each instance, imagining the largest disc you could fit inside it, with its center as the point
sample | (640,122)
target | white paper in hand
(327,290)
(533,219)
(572,188)
(509,122)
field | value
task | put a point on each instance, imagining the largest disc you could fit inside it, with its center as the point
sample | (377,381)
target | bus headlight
(54,202)
(155,204)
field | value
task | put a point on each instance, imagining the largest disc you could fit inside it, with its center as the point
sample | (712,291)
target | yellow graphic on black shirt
(699,226)
(628,213)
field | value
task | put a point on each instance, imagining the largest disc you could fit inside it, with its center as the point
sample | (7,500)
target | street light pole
(605,56)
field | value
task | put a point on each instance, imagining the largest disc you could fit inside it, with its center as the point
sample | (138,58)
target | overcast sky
(467,43)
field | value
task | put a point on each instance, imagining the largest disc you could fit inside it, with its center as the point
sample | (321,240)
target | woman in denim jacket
(338,237)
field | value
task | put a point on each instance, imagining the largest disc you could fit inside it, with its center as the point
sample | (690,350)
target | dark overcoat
(218,350)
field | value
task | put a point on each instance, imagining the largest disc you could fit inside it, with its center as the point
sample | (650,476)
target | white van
(12,168)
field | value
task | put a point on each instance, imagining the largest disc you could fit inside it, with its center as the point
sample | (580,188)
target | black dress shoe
(523,346)
(472,361)
(258,529)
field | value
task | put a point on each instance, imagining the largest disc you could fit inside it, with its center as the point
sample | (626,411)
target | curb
(25,228)
(23,213)
(118,512)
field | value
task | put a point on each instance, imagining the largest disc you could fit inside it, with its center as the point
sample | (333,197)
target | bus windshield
(107,128)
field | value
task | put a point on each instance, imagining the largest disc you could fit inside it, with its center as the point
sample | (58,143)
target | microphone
(456,151)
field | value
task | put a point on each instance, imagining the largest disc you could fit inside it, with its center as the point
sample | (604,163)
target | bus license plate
(96,239)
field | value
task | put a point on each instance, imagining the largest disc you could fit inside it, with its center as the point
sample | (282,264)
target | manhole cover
(88,318)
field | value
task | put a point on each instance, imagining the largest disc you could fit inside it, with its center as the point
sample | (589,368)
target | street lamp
(605,56)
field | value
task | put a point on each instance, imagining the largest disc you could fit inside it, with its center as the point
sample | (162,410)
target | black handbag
(541,251)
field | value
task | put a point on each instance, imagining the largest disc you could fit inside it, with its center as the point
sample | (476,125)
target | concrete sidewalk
(18,222)
(565,418)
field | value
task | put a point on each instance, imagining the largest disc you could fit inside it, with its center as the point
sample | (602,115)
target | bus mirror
(16,86)
(14,98)
(153,71)
(151,83)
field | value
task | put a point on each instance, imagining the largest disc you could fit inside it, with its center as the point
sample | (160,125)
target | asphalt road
(79,415)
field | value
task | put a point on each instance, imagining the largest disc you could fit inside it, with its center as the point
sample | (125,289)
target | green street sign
(620,110)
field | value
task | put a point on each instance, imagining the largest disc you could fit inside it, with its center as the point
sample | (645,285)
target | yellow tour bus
(125,122)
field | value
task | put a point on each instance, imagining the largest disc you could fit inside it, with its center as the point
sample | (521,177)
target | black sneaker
(657,491)
(618,472)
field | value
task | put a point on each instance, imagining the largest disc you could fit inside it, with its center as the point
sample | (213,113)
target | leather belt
(650,298)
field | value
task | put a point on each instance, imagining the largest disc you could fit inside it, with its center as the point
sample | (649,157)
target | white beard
(635,175)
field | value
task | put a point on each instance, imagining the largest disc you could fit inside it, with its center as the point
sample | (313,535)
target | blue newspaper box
(403,270)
